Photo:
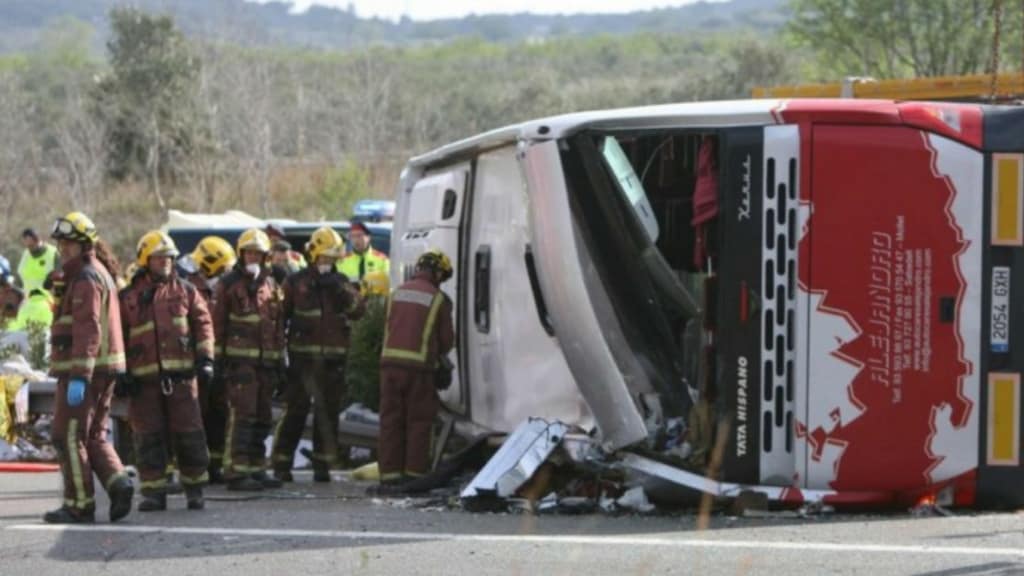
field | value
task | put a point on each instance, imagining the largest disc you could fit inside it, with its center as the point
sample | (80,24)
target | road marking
(636,541)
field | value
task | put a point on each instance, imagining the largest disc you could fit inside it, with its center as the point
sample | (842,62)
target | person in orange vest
(170,343)
(419,336)
(249,332)
(87,357)
(319,305)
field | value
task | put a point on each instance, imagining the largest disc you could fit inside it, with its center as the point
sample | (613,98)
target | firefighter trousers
(408,407)
(166,422)
(79,435)
(318,383)
(214,406)
(250,391)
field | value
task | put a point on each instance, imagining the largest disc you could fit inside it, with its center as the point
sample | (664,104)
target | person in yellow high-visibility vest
(363,259)
(37,309)
(37,261)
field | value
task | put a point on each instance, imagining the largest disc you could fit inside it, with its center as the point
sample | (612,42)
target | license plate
(1000,332)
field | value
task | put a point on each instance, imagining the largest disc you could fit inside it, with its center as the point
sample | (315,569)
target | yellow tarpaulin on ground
(368,472)
(9,386)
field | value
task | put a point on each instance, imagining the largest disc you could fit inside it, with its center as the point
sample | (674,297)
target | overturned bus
(820,292)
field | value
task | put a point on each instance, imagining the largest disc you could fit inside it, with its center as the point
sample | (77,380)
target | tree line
(162,120)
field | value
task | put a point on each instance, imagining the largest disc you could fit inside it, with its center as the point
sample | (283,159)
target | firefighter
(363,259)
(249,329)
(170,343)
(319,305)
(87,356)
(213,259)
(416,344)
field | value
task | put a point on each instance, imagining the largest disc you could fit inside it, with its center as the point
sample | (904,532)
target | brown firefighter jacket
(248,318)
(167,326)
(419,326)
(86,336)
(205,287)
(318,310)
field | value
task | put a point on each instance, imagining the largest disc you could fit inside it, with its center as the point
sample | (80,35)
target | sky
(434,9)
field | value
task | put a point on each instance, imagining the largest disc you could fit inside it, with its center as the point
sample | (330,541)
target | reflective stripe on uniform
(193,481)
(89,364)
(110,481)
(141,329)
(155,485)
(428,328)
(76,464)
(245,319)
(228,449)
(413,297)
(179,321)
(66,319)
(205,348)
(253,353)
(315,349)
(242,352)
(311,313)
(168,365)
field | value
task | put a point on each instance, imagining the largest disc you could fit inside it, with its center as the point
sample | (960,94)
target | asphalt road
(336,529)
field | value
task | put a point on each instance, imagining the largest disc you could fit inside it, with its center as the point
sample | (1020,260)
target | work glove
(76,392)
(125,386)
(205,373)
(443,374)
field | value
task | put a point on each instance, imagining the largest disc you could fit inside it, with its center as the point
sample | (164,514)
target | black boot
(69,515)
(321,475)
(216,475)
(244,484)
(153,503)
(121,492)
(194,497)
(284,475)
(266,480)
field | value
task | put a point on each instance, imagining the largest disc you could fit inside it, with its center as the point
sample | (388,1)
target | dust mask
(324,268)
(253,270)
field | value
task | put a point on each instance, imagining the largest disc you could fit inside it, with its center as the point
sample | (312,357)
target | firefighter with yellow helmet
(212,259)
(249,327)
(170,342)
(87,357)
(319,307)
(419,335)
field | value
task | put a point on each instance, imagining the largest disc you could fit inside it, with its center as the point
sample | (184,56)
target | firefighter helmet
(154,243)
(76,227)
(253,239)
(437,261)
(213,255)
(325,242)
(376,283)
